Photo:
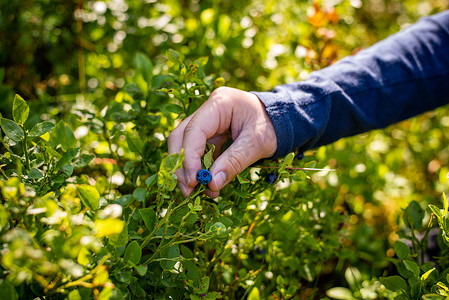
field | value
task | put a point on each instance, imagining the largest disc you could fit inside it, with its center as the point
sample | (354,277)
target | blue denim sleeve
(395,79)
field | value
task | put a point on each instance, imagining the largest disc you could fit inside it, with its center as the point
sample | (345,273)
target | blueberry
(259,250)
(204,176)
(299,156)
(271,178)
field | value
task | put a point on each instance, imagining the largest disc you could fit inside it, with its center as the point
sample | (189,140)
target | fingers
(243,152)
(211,119)
(227,113)
(219,141)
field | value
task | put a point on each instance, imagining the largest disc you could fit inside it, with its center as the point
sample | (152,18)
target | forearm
(400,77)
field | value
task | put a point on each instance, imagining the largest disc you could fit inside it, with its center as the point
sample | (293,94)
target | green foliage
(90,207)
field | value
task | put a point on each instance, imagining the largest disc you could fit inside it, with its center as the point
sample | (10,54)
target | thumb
(242,153)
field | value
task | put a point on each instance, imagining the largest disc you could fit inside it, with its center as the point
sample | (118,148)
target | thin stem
(5,144)
(158,226)
(167,215)
(25,150)
(3,173)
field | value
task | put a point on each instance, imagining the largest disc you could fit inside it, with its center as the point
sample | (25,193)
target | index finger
(210,119)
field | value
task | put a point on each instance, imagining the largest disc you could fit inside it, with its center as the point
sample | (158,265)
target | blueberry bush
(90,91)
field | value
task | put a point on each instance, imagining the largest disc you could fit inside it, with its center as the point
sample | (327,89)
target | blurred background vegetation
(68,53)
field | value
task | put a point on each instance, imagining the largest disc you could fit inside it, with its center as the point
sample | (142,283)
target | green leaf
(433,297)
(144,67)
(353,277)
(7,290)
(427,274)
(208,158)
(224,24)
(204,285)
(124,200)
(173,108)
(445,204)
(52,153)
(219,230)
(172,162)
(186,252)
(135,144)
(12,130)
(140,194)
(174,56)
(120,240)
(340,293)
(20,110)
(287,161)
(62,135)
(170,253)
(108,227)
(254,294)
(141,270)
(401,249)
(41,129)
(416,213)
(241,193)
(83,256)
(149,217)
(133,252)
(124,275)
(35,174)
(217,295)
(193,272)
(394,283)
(436,211)
(83,161)
(67,158)
(4,216)
(89,196)
(166,180)
(412,266)
(74,295)
(151,180)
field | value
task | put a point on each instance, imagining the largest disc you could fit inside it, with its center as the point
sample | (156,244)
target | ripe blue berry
(300,156)
(259,250)
(271,178)
(204,176)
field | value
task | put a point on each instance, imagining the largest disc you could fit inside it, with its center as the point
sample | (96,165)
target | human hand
(227,113)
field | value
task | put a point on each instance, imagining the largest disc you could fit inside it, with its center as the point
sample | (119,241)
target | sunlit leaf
(41,129)
(208,158)
(445,204)
(340,293)
(62,135)
(89,196)
(427,274)
(108,227)
(144,67)
(20,110)
(412,266)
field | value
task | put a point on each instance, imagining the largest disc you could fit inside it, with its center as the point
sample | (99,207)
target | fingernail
(220,179)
